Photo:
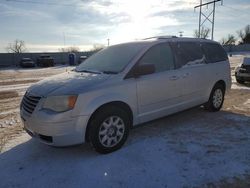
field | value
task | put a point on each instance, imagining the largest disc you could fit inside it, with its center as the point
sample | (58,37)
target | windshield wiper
(109,72)
(89,71)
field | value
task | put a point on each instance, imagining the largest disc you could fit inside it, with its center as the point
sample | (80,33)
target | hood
(67,83)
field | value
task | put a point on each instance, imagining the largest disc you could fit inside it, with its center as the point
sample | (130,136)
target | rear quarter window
(214,52)
(188,53)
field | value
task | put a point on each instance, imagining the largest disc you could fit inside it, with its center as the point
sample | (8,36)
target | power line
(208,3)
(207,17)
(239,11)
(41,3)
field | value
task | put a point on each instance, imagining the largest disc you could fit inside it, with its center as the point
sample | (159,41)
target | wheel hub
(217,98)
(111,131)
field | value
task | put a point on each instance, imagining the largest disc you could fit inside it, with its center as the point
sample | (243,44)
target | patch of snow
(15,87)
(7,112)
(23,79)
(238,118)
(236,86)
(247,102)
(171,152)
(9,122)
(19,140)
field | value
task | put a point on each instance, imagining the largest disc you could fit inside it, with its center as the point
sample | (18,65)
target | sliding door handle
(174,78)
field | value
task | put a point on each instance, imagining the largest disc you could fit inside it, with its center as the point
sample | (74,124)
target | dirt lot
(13,84)
(194,148)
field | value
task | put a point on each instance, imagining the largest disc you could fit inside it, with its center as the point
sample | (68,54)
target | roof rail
(160,37)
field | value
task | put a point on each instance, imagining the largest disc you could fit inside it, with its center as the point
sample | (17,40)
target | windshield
(112,59)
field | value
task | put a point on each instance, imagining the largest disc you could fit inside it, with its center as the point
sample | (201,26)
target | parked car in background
(82,59)
(125,85)
(242,73)
(45,61)
(27,62)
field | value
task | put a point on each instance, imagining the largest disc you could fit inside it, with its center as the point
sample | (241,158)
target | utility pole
(207,18)
(200,19)
(108,41)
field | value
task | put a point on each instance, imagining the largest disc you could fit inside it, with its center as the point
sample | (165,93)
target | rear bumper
(242,76)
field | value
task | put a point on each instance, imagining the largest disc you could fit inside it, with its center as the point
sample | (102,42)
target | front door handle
(174,78)
(185,75)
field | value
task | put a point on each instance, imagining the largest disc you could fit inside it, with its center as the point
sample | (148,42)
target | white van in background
(124,85)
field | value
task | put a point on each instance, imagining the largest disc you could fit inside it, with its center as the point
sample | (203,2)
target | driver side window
(160,56)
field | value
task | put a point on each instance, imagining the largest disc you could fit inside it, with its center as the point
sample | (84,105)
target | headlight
(60,103)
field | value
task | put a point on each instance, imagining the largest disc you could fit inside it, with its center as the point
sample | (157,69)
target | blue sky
(44,24)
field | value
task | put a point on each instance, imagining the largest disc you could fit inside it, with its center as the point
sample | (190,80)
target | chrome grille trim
(29,103)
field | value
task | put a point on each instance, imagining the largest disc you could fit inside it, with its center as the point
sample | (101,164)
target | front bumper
(61,133)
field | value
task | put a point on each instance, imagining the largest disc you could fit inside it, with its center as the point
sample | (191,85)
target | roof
(160,39)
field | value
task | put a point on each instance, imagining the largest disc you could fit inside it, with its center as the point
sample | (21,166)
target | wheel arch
(118,104)
(222,83)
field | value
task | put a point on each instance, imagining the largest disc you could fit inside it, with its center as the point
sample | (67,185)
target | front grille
(29,103)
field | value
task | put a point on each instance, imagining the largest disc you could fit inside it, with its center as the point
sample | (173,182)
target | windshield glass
(112,59)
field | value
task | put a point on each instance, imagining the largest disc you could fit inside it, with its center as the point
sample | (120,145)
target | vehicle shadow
(194,120)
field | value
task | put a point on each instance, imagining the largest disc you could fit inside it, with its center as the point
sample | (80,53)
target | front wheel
(216,98)
(109,129)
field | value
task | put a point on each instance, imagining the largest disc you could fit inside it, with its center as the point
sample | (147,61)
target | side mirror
(144,69)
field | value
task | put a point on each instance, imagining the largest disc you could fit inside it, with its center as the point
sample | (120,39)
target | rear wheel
(109,129)
(216,98)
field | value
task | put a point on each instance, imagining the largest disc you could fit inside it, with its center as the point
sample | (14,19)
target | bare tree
(70,49)
(18,46)
(244,35)
(204,33)
(230,40)
(97,47)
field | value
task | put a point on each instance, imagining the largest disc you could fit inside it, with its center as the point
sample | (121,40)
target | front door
(158,93)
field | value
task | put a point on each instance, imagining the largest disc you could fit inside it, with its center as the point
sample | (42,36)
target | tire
(216,98)
(240,81)
(109,129)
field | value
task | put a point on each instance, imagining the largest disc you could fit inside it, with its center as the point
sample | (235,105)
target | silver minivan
(125,85)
